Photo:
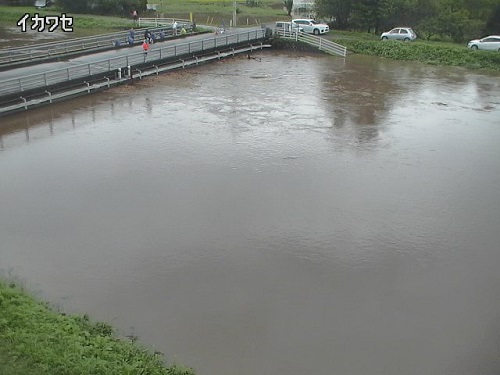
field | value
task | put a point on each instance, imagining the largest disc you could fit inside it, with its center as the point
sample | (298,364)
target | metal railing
(89,86)
(323,44)
(91,43)
(58,76)
(164,22)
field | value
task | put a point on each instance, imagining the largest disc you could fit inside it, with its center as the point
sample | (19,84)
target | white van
(286,27)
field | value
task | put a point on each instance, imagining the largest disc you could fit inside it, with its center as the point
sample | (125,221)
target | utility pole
(234,13)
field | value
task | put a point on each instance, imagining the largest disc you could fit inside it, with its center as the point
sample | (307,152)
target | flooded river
(297,214)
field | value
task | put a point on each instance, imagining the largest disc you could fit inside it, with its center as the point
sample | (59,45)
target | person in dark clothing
(131,36)
(147,36)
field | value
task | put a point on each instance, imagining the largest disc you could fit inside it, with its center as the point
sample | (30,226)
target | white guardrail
(316,41)
(42,80)
(157,22)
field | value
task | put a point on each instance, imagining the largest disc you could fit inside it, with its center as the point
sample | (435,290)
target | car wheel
(406,40)
(316,32)
(384,38)
(474,47)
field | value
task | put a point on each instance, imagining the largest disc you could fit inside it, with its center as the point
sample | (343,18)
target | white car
(311,26)
(405,34)
(489,43)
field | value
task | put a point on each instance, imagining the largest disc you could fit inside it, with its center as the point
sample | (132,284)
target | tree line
(458,20)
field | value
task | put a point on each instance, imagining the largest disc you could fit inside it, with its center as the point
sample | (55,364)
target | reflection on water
(298,214)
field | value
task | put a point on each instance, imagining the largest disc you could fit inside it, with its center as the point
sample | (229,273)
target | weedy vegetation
(36,340)
(433,53)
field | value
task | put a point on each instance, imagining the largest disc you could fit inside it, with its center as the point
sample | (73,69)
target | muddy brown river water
(301,214)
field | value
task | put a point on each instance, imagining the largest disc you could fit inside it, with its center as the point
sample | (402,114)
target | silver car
(489,43)
(405,34)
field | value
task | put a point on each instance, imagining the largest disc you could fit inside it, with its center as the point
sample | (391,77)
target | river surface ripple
(301,214)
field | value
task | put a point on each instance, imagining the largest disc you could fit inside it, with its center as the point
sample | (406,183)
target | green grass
(9,15)
(35,340)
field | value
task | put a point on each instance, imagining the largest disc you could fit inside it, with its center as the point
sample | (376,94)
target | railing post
(45,78)
(67,70)
(89,69)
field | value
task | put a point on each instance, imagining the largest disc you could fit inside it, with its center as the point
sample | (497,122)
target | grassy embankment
(429,52)
(82,23)
(35,340)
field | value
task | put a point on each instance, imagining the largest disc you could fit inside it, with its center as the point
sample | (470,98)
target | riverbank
(426,52)
(433,53)
(35,340)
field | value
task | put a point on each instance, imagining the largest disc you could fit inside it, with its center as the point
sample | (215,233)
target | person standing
(147,36)
(145,47)
(134,15)
(131,36)
(174,28)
